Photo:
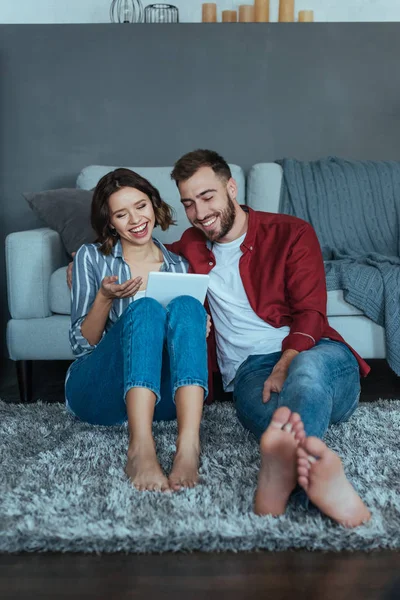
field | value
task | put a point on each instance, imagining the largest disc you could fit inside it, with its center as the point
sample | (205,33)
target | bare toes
(303,462)
(314,446)
(302,472)
(281,417)
(300,435)
(303,482)
(301,453)
(295,418)
(175,485)
(299,426)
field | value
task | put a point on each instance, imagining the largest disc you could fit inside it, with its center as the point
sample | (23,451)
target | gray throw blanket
(354,207)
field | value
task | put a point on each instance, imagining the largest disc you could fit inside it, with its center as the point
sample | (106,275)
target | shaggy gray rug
(63,487)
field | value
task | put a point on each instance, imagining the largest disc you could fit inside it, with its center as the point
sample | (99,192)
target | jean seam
(345,371)
(127,356)
(171,348)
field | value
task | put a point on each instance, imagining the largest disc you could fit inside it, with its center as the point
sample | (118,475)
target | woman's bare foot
(326,484)
(277,476)
(143,468)
(185,470)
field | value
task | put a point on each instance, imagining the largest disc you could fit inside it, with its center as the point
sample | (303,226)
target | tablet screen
(164,287)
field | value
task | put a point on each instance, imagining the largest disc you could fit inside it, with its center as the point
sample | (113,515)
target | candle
(229,16)
(261,11)
(209,12)
(286,11)
(246,13)
(306,16)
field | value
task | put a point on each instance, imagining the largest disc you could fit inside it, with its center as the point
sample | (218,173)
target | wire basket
(161,13)
(126,11)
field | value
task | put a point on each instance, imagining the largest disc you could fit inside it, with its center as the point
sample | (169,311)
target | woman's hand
(111,290)
(209,324)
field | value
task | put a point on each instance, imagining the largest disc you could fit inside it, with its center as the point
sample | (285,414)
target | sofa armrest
(31,258)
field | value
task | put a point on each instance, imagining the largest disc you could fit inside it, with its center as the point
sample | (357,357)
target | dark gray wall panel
(74,95)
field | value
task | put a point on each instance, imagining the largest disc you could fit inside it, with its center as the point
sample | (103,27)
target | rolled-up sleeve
(306,292)
(84,290)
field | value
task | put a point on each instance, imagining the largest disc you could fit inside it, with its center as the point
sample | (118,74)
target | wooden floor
(297,575)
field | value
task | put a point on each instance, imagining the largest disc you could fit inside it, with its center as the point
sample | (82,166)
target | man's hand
(275,381)
(69,271)
(209,324)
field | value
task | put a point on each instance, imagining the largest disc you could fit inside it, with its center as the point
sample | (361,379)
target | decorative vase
(246,13)
(126,11)
(286,11)
(209,12)
(229,16)
(161,13)
(306,16)
(261,11)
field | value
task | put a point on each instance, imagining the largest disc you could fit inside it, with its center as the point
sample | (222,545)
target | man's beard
(227,220)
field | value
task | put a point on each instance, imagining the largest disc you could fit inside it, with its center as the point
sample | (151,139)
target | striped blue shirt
(90,268)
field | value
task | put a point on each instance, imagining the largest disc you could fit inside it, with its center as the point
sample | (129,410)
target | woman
(135,359)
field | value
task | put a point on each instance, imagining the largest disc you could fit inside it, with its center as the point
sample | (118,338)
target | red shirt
(283,274)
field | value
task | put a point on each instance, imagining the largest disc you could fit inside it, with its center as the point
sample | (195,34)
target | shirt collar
(250,238)
(117,250)
(168,257)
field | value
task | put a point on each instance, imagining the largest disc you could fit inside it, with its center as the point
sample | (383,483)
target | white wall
(97,11)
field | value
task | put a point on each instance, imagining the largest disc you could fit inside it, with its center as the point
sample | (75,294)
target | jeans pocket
(346,416)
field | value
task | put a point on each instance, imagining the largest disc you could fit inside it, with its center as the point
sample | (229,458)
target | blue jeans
(323,386)
(148,347)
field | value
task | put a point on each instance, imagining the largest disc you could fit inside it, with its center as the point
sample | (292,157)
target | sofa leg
(24,375)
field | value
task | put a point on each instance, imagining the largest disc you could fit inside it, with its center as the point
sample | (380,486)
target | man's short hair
(190,163)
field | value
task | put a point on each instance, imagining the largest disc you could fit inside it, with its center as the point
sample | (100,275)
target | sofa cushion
(67,211)
(59,293)
(264,187)
(60,298)
(39,339)
(160,177)
(338,307)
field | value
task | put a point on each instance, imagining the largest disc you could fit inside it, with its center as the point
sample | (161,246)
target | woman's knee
(145,308)
(186,305)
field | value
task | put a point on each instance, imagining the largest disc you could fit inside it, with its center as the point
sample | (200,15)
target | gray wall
(74,95)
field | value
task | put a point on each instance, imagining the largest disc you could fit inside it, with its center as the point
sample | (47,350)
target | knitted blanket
(354,207)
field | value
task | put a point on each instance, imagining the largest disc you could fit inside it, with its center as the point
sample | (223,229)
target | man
(291,374)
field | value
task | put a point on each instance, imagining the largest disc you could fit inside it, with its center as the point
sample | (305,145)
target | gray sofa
(39,299)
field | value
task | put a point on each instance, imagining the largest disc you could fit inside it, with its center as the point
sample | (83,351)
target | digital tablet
(164,287)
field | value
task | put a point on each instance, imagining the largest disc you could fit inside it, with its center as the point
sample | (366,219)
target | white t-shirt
(239,331)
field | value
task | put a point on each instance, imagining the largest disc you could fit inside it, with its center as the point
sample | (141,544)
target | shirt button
(211,263)
(251,247)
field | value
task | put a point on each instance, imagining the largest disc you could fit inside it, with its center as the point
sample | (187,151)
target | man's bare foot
(320,473)
(277,476)
(185,470)
(143,468)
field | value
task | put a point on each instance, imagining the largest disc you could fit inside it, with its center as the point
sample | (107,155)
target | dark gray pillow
(67,211)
